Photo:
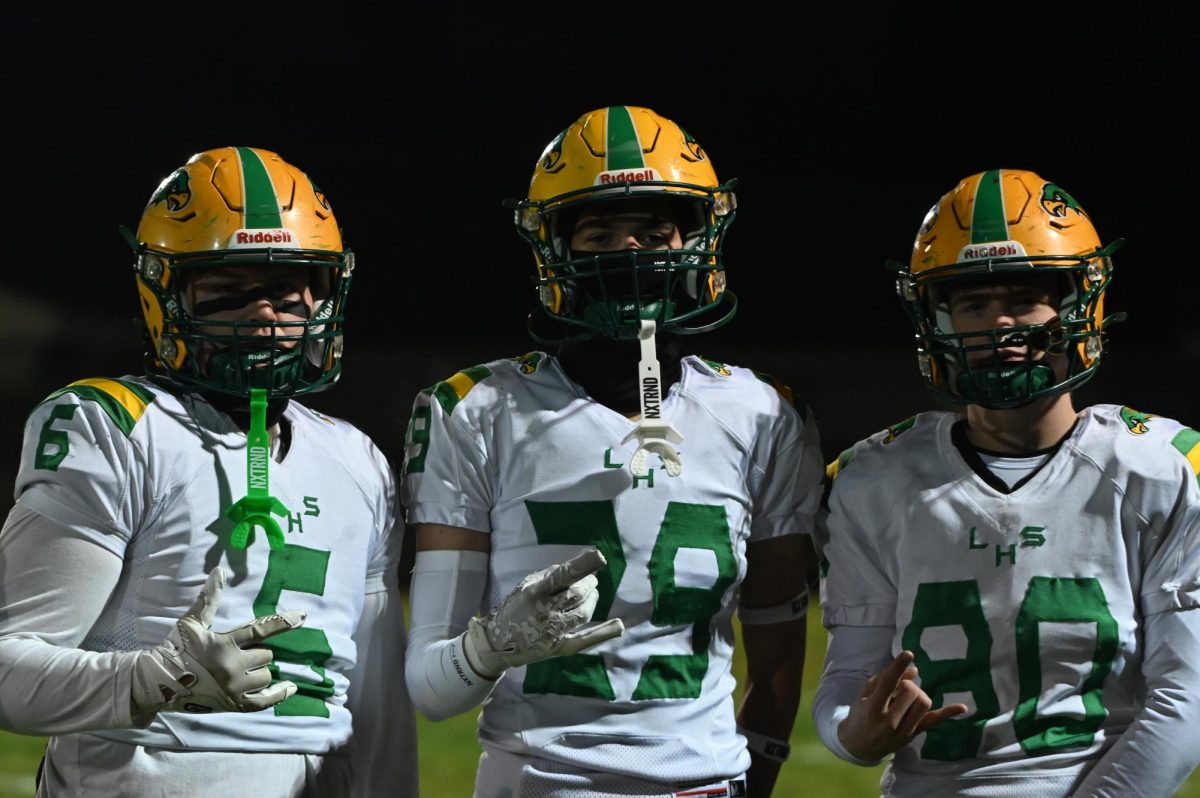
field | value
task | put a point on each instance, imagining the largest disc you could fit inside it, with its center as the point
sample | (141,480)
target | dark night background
(844,124)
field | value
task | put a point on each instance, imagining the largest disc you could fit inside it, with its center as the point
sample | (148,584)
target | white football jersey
(1025,605)
(148,475)
(517,450)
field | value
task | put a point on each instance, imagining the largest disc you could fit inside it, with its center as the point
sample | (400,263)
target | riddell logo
(259,238)
(996,249)
(626,176)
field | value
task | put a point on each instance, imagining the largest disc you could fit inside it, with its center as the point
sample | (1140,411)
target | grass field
(448,753)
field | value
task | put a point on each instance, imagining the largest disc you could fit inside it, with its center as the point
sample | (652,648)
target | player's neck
(1031,428)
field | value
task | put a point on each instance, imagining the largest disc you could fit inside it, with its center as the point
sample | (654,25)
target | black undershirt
(970,453)
(608,370)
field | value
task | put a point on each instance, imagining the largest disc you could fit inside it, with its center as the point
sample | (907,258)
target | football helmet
(631,155)
(240,206)
(1001,225)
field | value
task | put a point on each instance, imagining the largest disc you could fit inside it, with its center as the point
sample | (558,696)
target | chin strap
(652,432)
(255,508)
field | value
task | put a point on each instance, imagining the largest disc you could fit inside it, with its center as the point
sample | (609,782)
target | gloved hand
(198,670)
(541,618)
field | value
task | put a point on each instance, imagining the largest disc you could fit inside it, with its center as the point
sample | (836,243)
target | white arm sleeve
(855,654)
(447,591)
(54,583)
(383,748)
(1160,748)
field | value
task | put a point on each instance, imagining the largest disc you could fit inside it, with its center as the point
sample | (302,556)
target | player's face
(992,306)
(254,294)
(624,230)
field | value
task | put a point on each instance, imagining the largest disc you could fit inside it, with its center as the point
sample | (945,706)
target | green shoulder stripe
(897,429)
(1187,441)
(783,390)
(124,402)
(452,391)
(835,468)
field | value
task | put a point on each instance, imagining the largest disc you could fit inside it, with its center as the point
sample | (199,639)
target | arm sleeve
(1158,750)
(383,745)
(855,654)
(447,477)
(56,582)
(855,589)
(789,479)
(447,591)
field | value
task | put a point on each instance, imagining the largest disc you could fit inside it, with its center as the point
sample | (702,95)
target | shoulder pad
(835,468)
(124,402)
(898,428)
(784,391)
(1187,441)
(452,391)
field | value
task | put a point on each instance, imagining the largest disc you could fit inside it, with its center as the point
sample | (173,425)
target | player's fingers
(263,627)
(204,608)
(901,700)
(917,710)
(252,659)
(267,697)
(936,716)
(565,574)
(577,594)
(888,678)
(869,687)
(592,636)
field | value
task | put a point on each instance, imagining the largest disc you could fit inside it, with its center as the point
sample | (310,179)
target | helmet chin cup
(1005,385)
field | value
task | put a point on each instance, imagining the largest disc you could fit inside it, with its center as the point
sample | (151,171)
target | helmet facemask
(608,293)
(979,367)
(232,356)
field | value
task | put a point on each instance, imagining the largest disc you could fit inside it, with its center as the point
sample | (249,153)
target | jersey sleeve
(1171,579)
(388,536)
(79,467)
(447,478)
(789,478)
(855,588)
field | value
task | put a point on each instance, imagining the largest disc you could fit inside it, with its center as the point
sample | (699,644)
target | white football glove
(541,619)
(198,670)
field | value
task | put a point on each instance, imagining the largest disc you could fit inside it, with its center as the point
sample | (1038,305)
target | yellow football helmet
(628,154)
(1002,224)
(240,206)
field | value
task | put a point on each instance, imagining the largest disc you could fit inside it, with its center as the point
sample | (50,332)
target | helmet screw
(167,349)
(904,288)
(151,267)
(348,265)
(719,281)
(529,219)
(1095,271)
(1093,347)
(923,363)
(546,294)
(723,204)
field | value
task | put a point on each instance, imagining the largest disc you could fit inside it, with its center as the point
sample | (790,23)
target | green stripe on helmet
(261,207)
(988,222)
(623,150)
